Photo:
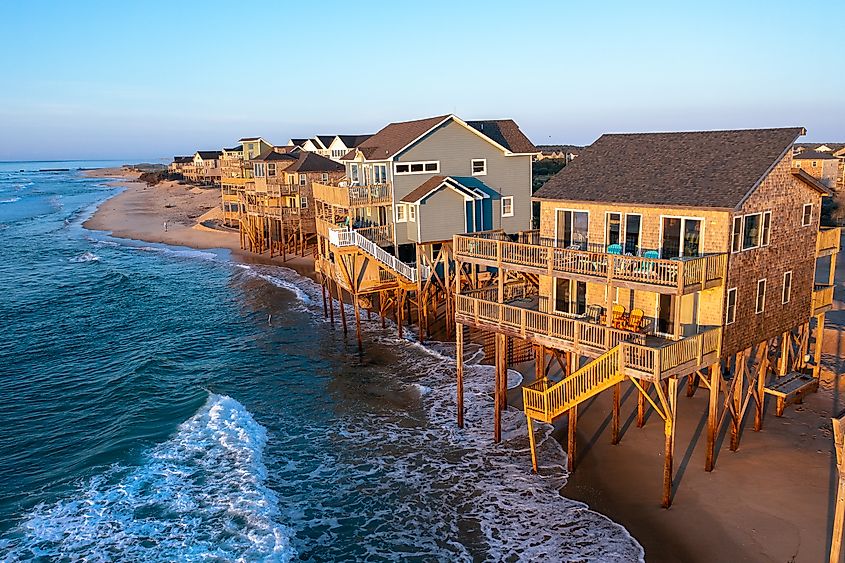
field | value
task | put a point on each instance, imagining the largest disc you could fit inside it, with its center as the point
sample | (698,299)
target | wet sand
(770,501)
(140,212)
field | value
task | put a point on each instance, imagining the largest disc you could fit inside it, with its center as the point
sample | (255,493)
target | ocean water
(166,404)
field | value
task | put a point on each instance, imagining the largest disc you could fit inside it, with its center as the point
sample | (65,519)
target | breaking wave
(199,496)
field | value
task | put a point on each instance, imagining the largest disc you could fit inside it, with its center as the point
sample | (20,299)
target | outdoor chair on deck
(618,318)
(595,313)
(614,249)
(635,320)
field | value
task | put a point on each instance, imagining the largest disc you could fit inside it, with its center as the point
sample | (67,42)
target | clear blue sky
(149,79)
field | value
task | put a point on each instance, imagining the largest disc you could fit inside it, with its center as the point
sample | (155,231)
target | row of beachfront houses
(657,258)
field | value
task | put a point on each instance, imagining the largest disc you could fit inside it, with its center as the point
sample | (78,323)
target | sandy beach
(770,501)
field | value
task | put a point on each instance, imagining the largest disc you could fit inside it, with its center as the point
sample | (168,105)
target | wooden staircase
(546,401)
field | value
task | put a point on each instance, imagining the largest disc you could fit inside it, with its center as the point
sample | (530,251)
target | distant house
(330,146)
(179,163)
(204,168)
(254,146)
(563,152)
(821,165)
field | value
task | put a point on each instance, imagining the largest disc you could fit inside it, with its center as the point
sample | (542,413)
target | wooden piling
(459,356)
(713,414)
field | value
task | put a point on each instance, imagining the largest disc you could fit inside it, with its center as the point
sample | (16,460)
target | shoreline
(769,501)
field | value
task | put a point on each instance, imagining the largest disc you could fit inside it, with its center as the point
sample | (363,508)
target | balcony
(822,299)
(827,242)
(645,356)
(676,276)
(350,197)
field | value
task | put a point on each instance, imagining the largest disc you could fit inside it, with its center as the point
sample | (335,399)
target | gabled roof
(209,155)
(353,141)
(506,133)
(712,169)
(271,155)
(325,140)
(814,155)
(313,162)
(815,146)
(470,188)
(183,159)
(298,142)
(251,139)
(238,148)
(396,137)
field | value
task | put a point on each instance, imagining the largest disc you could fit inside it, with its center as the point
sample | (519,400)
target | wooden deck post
(501,372)
(669,444)
(760,393)
(357,307)
(341,307)
(713,413)
(331,299)
(817,346)
(571,438)
(531,442)
(459,358)
(839,510)
(400,305)
(614,424)
(736,410)
(785,345)
(323,288)
(539,362)
(641,404)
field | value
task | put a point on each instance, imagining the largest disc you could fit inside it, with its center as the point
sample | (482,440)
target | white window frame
(354,174)
(786,292)
(607,227)
(684,219)
(376,179)
(325,177)
(483,162)
(730,312)
(736,235)
(258,170)
(303,202)
(757,308)
(412,213)
(425,164)
(401,213)
(271,169)
(809,217)
(766,229)
(764,237)
(510,199)
(303,179)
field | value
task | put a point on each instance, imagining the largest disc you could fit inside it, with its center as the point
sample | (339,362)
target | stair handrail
(349,237)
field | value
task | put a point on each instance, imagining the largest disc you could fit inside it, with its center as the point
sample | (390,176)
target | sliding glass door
(572,228)
(681,237)
(570,296)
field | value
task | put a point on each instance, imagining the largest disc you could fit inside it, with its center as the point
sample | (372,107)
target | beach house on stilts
(385,231)
(659,257)
(236,174)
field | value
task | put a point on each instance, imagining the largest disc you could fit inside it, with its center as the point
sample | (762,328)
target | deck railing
(828,240)
(345,237)
(382,235)
(353,196)
(654,361)
(545,401)
(822,298)
(677,274)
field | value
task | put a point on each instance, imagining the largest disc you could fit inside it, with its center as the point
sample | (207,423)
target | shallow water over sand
(167,404)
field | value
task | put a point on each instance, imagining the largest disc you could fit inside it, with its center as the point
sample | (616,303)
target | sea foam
(199,496)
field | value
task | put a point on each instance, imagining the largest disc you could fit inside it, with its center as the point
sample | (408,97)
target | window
(303,179)
(379,173)
(787,287)
(814,164)
(807,217)
(571,228)
(271,169)
(324,177)
(761,296)
(400,213)
(613,228)
(479,167)
(303,202)
(507,206)
(751,231)
(736,241)
(681,236)
(353,173)
(570,296)
(730,307)
(417,167)
(258,169)
(412,213)
(767,228)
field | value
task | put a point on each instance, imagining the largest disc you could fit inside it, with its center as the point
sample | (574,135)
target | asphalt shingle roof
(714,169)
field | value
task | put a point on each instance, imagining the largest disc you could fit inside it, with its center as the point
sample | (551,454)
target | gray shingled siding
(441,216)
(455,148)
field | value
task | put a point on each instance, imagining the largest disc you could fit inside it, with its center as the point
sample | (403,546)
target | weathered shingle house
(661,256)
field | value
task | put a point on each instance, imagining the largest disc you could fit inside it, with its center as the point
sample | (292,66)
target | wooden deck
(642,356)
(677,277)
(350,197)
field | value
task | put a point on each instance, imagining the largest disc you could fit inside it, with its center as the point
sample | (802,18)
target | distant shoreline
(139,212)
